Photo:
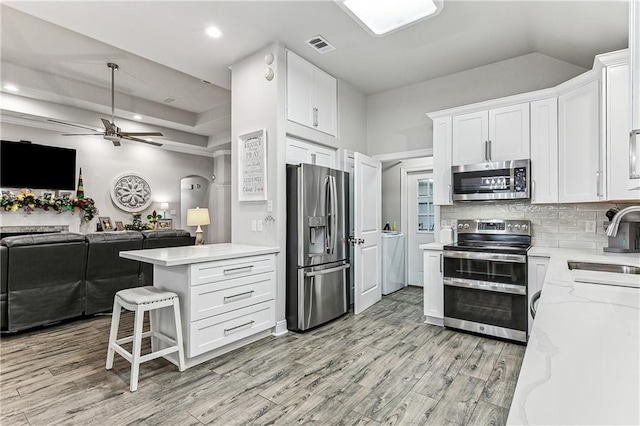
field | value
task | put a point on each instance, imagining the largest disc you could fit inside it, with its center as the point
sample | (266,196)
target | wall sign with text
(252,166)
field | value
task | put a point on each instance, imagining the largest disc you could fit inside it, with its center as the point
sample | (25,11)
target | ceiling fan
(111,131)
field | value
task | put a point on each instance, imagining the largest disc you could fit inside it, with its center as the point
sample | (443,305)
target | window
(425,205)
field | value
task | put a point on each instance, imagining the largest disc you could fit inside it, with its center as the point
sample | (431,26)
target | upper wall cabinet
(310,153)
(312,96)
(620,185)
(579,148)
(499,134)
(544,151)
(442,168)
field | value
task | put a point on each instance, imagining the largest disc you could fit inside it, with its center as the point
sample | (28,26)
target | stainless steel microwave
(503,180)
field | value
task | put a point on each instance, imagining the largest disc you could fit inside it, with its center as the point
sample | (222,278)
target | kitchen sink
(604,267)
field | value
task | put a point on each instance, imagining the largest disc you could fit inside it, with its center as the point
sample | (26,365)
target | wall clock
(131,192)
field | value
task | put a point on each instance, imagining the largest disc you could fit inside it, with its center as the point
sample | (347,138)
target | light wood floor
(384,366)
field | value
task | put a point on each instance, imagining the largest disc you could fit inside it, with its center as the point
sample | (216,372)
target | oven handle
(486,286)
(498,257)
(532,305)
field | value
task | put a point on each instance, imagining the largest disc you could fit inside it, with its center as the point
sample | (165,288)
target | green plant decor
(28,201)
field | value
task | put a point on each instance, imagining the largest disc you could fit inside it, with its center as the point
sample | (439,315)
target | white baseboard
(280,329)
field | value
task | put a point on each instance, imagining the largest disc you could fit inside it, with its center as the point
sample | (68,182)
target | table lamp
(164,207)
(198,217)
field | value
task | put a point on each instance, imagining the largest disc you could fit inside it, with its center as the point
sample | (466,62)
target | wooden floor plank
(384,366)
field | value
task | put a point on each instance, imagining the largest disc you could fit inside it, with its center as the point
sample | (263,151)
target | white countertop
(582,363)
(186,255)
(431,246)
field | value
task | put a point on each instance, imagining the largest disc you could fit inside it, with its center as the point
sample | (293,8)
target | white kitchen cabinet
(537,269)
(223,302)
(433,287)
(499,134)
(298,151)
(442,168)
(617,133)
(312,96)
(544,151)
(580,171)
(634,49)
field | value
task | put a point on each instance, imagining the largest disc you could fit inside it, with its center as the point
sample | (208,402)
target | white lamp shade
(197,217)
(164,206)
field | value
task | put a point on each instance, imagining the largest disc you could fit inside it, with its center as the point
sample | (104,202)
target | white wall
(391,194)
(396,119)
(101,163)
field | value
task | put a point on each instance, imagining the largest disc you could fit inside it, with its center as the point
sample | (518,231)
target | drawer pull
(239,269)
(235,296)
(238,327)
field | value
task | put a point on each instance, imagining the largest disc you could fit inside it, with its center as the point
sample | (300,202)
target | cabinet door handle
(450,194)
(489,155)
(237,327)
(313,158)
(486,150)
(533,190)
(633,160)
(235,296)
(315,117)
(440,263)
(598,175)
(239,269)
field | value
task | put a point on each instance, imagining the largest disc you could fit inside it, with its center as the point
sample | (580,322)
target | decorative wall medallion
(131,192)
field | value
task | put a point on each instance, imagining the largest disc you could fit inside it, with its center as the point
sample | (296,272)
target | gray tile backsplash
(552,225)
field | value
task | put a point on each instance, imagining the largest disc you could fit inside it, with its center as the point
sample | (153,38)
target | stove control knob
(466,226)
(516,227)
(524,227)
(460,226)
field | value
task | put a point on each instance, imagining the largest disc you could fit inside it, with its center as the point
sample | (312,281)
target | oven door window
(486,270)
(486,307)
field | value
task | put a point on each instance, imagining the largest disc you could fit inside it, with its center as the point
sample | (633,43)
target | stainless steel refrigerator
(317,245)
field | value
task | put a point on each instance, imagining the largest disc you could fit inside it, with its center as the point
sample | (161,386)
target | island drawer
(217,298)
(220,330)
(209,272)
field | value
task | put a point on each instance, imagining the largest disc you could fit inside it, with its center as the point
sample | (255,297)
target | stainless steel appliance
(504,180)
(317,248)
(485,278)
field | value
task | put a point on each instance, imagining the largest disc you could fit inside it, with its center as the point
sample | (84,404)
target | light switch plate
(590,226)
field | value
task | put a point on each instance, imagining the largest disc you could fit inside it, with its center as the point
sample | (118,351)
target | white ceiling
(163,51)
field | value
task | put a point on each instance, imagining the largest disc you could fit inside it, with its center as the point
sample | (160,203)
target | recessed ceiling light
(11,88)
(149,140)
(385,16)
(213,32)
(137,117)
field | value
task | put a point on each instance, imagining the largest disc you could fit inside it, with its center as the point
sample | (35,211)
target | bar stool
(141,300)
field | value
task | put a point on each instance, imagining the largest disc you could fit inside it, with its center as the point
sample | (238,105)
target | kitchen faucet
(612,229)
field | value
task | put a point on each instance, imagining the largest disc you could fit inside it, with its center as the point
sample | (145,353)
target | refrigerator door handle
(334,214)
(327,271)
(327,212)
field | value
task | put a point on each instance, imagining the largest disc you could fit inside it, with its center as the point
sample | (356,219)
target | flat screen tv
(27,165)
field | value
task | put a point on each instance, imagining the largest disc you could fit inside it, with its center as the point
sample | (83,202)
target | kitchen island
(227,295)
(582,363)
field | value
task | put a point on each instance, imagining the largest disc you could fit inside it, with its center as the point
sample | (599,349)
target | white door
(367,207)
(420,223)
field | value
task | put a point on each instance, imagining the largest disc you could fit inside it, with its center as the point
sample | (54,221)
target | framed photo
(252,166)
(47,195)
(66,194)
(106,223)
(164,224)
(119,226)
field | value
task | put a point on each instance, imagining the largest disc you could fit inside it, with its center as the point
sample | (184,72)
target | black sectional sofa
(47,278)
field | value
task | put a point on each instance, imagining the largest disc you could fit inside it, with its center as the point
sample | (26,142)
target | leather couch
(46,278)
(107,272)
(160,239)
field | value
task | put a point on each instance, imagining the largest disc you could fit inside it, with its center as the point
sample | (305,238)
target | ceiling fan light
(137,117)
(11,88)
(213,32)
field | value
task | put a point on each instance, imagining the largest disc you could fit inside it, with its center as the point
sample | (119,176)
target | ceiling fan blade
(124,136)
(141,134)
(108,125)
(83,134)
(70,124)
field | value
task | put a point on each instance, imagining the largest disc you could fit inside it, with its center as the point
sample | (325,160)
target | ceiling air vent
(168,100)
(320,44)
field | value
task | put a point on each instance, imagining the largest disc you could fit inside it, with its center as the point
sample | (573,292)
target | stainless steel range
(485,278)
